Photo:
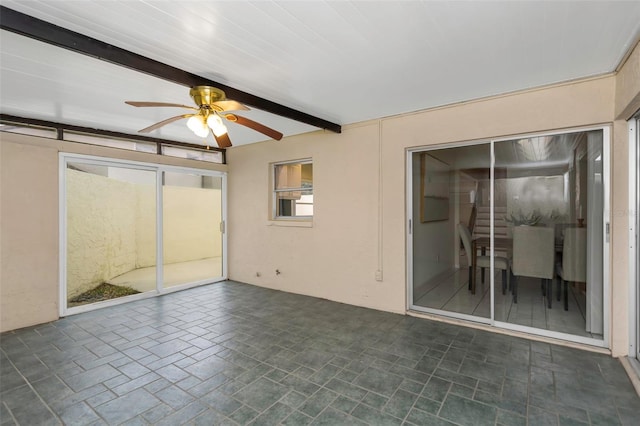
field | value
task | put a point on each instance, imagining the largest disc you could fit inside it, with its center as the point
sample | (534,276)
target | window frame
(274,192)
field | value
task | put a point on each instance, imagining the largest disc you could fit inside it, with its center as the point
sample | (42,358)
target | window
(293,190)
(130,145)
(193,154)
(27,129)
(118,140)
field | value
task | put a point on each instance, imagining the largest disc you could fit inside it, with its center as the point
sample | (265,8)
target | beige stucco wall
(191,225)
(145,227)
(337,257)
(28,235)
(101,229)
(29,253)
(192,219)
(627,100)
(360,194)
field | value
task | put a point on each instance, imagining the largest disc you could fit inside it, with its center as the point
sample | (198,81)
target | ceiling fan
(212,107)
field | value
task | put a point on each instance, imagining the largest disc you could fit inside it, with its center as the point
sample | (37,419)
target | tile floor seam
(412,407)
(11,413)
(373,354)
(30,385)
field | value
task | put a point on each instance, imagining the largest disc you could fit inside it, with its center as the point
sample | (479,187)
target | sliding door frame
(634,238)
(223,194)
(159,169)
(606,266)
(409,232)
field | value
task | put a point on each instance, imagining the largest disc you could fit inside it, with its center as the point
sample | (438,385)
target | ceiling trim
(28,26)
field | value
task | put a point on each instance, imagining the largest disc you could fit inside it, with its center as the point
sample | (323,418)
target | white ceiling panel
(36,81)
(343,61)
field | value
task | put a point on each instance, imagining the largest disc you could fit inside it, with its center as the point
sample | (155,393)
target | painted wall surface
(336,257)
(627,101)
(361,173)
(28,235)
(29,253)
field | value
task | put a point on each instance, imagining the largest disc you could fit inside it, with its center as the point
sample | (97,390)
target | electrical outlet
(378,275)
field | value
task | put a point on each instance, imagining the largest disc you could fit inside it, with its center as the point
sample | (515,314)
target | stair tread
(487,209)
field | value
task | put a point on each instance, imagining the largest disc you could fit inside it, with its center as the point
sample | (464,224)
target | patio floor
(231,353)
(144,279)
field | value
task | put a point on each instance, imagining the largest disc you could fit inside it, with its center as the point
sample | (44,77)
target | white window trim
(274,219)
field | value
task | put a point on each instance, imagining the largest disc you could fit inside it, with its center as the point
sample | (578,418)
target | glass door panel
(549,192)
(192,236)
(450,210)
(110,232)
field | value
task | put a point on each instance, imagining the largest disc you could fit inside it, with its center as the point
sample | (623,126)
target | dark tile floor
(230,353)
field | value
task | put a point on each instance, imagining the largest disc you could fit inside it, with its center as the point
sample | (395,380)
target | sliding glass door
(130,230)
(513,233)
(552,190)
(191,228)
(450,198)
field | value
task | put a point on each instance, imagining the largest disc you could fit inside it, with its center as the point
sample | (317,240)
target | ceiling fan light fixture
(209,115)
(217,126)
(198,126)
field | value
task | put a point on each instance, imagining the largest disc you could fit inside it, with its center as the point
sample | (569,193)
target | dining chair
(482,261)
(574,260)
(533,256)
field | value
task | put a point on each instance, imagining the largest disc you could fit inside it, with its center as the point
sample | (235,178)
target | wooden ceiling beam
(28,26)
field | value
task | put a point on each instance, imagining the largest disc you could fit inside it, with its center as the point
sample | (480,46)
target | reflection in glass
(450,187)
(293,190)
(111,233)
(548,204)
(192,237)
(554,184)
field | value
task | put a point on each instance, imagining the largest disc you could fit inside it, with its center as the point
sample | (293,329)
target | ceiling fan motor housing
(206,95)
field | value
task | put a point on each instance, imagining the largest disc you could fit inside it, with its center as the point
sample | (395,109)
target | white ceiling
(343,61)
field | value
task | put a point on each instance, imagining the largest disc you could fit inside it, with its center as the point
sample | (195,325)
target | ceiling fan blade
(157,104)
(163,122)
(231,106)
(254,125)
(222,140)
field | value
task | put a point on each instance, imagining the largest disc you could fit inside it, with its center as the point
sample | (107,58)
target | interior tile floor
(231,353)
(451,293)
